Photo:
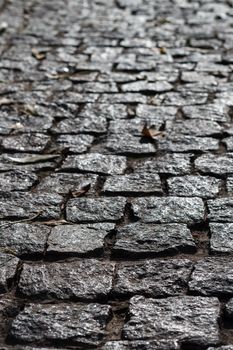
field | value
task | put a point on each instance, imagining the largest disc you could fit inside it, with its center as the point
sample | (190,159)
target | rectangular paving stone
(152,278)
(26,142)
(169,209)
(221,240)
(92,124)
(230,184)
(174,164)
(27,205)
(75,143)
(8,267)
(17,180)
(194,127)
(78,279)
(129,145)
(191,186)
(215,164)
(150,239)
(74,324)
(165,318)
(95,209)
(220,209)
(78,239)
(64,183)
(23,238)
(163,344)
(212,276)
(157,114)
(96,163)
(133,184)
(187,143)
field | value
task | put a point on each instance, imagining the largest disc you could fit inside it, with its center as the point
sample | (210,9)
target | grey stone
(8,264)
(67,280)
(26,142)
(221,240)
(78,125)
(16,180)
(163,344)
(193,127)
(63,183)
(215,164)
(160,86)
(157,114)
(230,184)
(190,186)
(75,143)
(220,209)
(229,309)
(96,163)
(153,278)
(170,209)
(137,238)
(78,239)
(184,98)
(174,164)
(212,276)
(129,145)
(23,238)
(28,205)
(216,112)
(133,184)
(108,111)
(224,347)
(78,324)
(187,143)
(165,318)
(95,209)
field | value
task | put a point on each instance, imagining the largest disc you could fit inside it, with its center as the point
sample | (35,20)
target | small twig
(23,220)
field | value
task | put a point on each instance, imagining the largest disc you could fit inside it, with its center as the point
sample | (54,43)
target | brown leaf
(151,132)
(55,222)
(80,192)
(39,55)
(163,50)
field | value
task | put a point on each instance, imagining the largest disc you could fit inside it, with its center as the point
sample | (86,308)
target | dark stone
(9,264)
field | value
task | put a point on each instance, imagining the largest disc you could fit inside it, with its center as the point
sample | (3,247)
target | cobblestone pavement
(116,174)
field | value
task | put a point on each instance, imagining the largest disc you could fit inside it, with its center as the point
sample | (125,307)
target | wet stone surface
(153,318)
(116,174)
(169,210)
(78,239)
(79,324)
(67,280)
(157,279)
(212,276)
(138,239)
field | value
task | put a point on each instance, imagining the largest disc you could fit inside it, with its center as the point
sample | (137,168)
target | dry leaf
(39,55)
(151,132)
(32,159)
(55,222)
(163,50)
(5,101)
(29,109)
(80,192)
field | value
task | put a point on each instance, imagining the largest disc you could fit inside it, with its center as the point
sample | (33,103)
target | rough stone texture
(220,209)
(212,276)
(162,319)
(67,280)
(229,309)
(96,163)
(75,143)
(78,324)
(17,180)
(137,238)
(166,210)
(191,186)
(26,142)
(212,164)
(8,265)
(23,238)
(153,278)
(78,239)
(63,183)
(95,209)
(221,238)
(133,184)
(142,344)
(174,164)
(27,205)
